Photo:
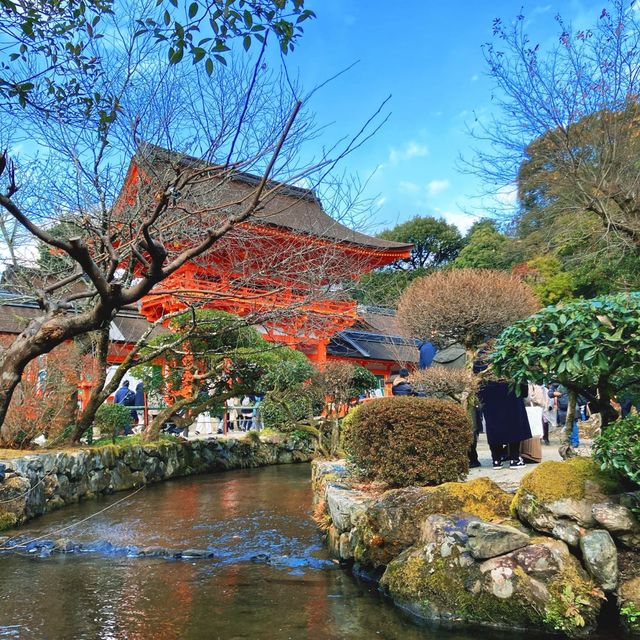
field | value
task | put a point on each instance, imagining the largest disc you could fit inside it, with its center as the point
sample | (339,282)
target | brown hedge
(407,441)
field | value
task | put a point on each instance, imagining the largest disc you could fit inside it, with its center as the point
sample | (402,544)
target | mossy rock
(7,520)
(558,497)
(392,522)
(574,478)
(502,592)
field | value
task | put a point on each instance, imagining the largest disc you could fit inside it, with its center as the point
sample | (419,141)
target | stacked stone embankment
(35,484)
(548,558)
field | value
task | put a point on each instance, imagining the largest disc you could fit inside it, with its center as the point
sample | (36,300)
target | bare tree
(565,124)
(192,137)
(466,306)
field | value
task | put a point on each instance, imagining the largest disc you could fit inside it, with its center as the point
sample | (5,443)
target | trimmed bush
(617,448)
(112,419)
(409,441)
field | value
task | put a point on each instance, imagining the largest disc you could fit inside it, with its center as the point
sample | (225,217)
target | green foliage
(361,380)
(565,614)
(547,278)
(384,288)
(408,441)
(132,441)
(436,242)
(230,20)
(284,373)
(630,612)
(282,369)
(216,342)
(617,448)
(487,248)
(580,344)
(112,419)
(283,415)
(56,38)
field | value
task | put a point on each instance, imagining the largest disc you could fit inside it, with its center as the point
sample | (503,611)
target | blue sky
(427,55)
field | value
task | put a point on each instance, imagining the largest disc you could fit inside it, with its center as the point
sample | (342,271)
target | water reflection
(300,593)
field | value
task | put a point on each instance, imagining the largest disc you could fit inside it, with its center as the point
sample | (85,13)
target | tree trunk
(41,336)
(607,413)
(566,450)
(152,432)
(98,392)
(335,434)
(10,375)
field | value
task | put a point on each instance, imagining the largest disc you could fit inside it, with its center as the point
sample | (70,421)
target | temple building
(283,266)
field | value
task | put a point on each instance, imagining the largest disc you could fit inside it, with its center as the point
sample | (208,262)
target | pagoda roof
(292,208)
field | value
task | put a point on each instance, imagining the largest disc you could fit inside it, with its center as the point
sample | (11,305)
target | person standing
(246,414)
(427,354)
(127,398)
(505,416)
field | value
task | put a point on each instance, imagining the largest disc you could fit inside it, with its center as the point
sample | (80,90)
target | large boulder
(539,586)
(620,522)
(392,522)
(557,498)
(14,491)
(487,540)
(344,506)
(600,557)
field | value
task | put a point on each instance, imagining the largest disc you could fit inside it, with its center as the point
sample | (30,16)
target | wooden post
(145,412)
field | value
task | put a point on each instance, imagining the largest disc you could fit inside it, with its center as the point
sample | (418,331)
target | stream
(269,575)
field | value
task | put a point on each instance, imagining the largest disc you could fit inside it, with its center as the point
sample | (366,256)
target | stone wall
(547,558)
(41,482)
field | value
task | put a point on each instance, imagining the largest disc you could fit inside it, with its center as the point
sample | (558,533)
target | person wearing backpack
(127,398)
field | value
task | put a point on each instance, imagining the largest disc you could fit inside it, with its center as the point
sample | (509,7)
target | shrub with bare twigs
(442,382)
(464,305)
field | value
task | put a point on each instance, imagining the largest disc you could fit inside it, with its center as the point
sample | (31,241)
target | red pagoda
(285,263)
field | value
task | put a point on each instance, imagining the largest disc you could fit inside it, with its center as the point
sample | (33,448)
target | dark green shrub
(283,418)
(112,419)
(407,441)
(617,448)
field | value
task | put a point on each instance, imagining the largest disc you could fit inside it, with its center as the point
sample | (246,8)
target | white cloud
(541,9)
(404,186)
(415,150)
(474,77)
(462,220)
(380,201)
(437,186)
(410,150)
(507,196)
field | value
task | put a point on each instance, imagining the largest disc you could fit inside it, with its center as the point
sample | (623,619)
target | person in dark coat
(140,394)
(127,398)
(505,418)
(427,354)
(401,385)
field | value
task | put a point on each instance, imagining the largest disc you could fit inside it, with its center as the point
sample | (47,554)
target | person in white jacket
(539,397)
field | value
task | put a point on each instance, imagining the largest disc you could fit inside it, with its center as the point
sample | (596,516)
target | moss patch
(552,480)
(480,497)
(574,602)
(130,441)
(7,520)
(441,589)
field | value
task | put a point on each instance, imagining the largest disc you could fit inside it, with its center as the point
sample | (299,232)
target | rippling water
(270,576)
